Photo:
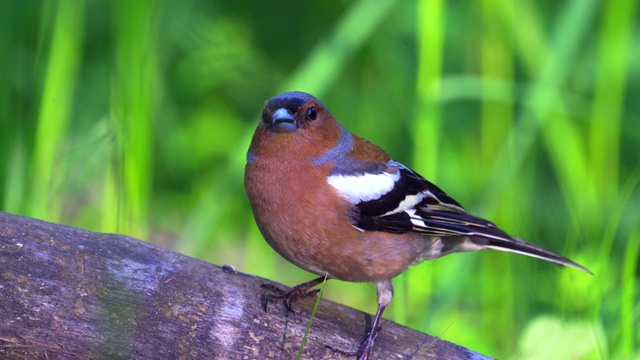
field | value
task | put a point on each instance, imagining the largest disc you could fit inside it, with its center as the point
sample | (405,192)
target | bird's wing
(410,203)
(393,198)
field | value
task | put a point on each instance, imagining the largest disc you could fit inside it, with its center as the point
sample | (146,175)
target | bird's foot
(364,350)
(288,297)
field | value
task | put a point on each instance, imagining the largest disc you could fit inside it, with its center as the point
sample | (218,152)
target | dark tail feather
(522,247)
(482,234)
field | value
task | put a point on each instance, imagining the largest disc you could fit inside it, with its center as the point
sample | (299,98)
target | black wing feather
(384,214)
(437,214)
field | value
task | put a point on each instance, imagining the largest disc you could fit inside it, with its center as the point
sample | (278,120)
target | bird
(338,206)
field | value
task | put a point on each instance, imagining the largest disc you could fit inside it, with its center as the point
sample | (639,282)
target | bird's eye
(312,114)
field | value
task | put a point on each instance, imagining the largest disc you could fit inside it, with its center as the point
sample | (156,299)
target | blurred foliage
(134,117)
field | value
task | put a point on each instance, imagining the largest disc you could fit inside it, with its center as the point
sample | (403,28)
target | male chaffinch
(338,206)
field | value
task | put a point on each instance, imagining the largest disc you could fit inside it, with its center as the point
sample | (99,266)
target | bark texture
(67,293)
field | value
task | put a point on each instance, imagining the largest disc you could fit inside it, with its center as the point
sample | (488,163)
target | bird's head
(295,122)
(291,111)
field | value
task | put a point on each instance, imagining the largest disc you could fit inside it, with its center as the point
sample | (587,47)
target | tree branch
(70,293)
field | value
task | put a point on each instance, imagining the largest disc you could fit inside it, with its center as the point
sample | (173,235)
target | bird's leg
(289,297)
(385,293)
(367,345)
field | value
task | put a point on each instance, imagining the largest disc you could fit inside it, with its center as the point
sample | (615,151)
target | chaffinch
(338,206)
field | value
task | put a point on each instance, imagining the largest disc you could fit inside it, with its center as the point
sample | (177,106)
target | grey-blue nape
(341,149)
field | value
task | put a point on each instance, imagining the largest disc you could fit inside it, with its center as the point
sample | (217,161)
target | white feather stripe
(409,202)
(416,220)
(363,187)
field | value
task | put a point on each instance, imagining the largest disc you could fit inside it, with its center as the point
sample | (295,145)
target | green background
(134,117)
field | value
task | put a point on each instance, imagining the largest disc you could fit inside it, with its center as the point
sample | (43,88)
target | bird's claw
(288,297)
(364,350)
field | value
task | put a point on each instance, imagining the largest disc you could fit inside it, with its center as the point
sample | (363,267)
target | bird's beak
(282,121)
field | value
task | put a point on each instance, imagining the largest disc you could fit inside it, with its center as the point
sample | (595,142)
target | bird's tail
(478,234)
(519,246)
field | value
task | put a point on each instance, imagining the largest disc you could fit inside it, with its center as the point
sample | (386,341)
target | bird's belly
(326,245)
(313,229)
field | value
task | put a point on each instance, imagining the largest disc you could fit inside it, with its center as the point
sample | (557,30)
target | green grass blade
(430,35)
(496,124)
(618,27)
(134,101)
(56,109)
(313,315)
(431,17)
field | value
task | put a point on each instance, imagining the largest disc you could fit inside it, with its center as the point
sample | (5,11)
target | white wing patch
(363,187)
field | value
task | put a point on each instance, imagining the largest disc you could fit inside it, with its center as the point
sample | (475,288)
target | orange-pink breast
(307,222)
